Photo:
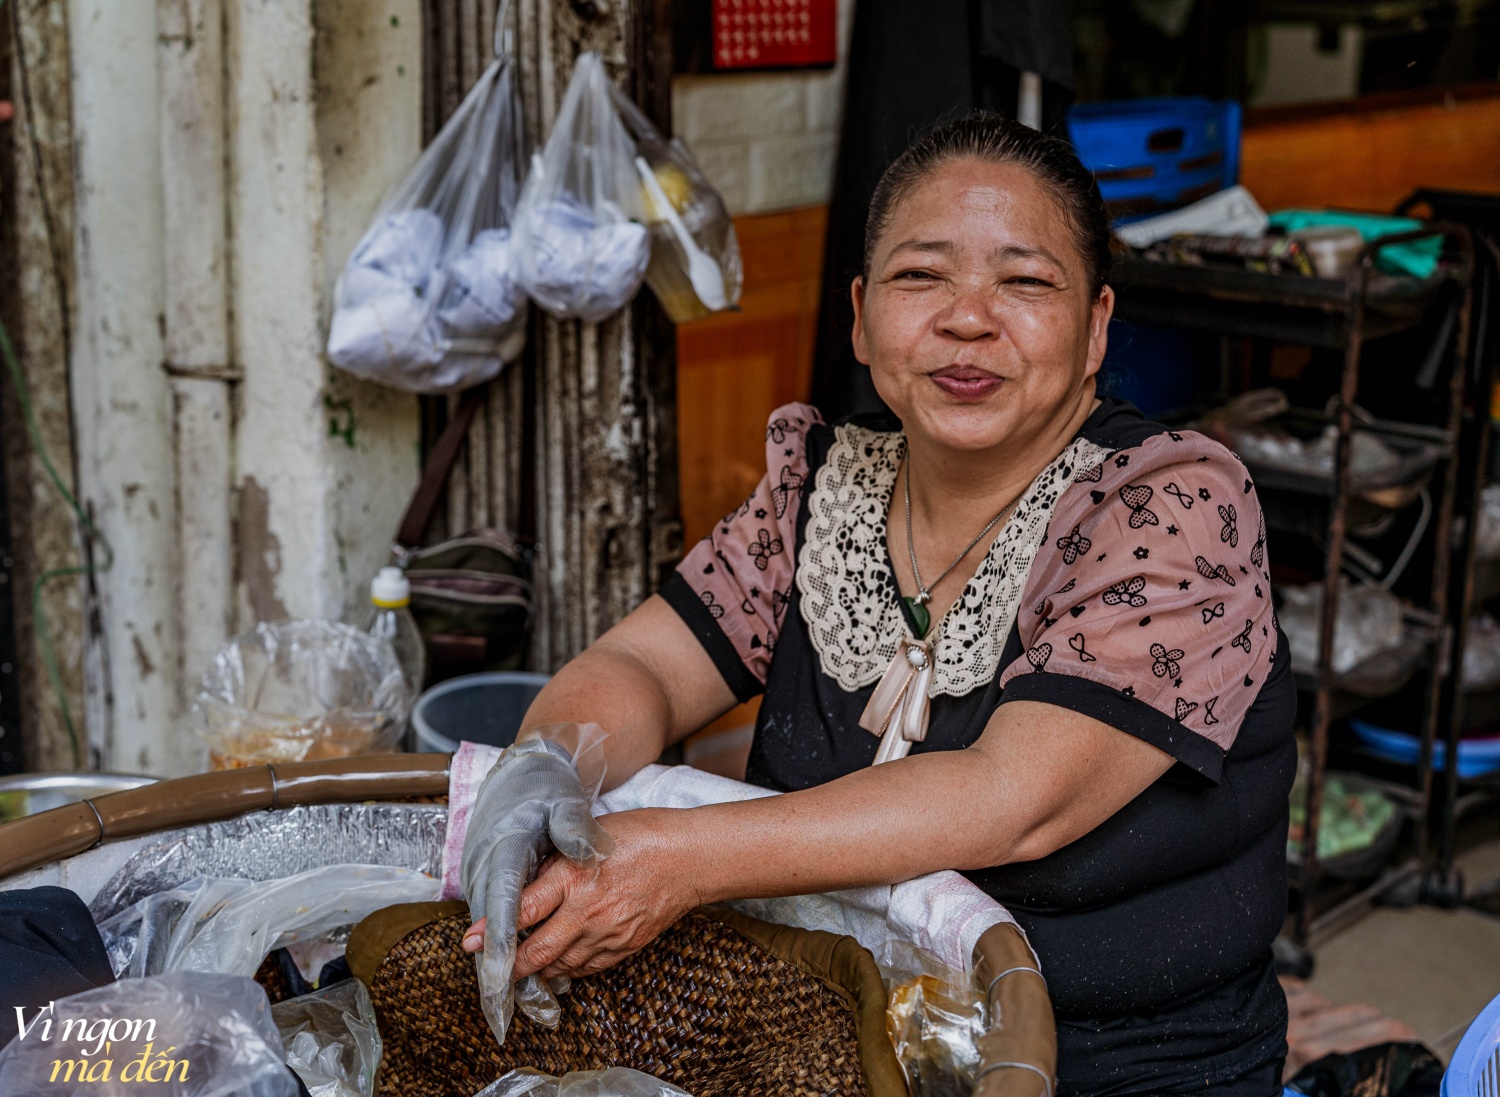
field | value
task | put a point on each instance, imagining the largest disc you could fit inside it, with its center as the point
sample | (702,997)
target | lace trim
(844,573)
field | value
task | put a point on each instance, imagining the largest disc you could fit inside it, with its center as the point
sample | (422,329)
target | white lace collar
(849,599)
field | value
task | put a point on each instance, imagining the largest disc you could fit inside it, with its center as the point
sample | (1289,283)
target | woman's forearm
(612,689)
(647,682)
(1040,777)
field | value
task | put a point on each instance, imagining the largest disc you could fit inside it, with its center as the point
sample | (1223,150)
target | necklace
(918,605)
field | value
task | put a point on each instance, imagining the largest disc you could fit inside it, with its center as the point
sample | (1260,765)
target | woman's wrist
(684,856)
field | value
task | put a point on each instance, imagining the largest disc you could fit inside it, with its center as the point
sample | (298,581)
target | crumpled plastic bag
(537,798)
(580,242)
(331,1039)
(427,301)
(293,691)
(1368,622)
(613,1082)
(229,925)
(934,1017)
(185,1034)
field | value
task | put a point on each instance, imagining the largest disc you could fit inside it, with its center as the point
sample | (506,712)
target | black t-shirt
(1154,930)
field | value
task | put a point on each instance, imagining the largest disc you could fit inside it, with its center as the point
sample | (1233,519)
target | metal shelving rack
(1341,315)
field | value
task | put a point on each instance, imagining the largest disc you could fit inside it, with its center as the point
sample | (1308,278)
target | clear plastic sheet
(934,1017)
(229,925)
(428,300)
(580,242)
(1368,622)
(268,845)
(614,1082)
(695,264)
(537,798)
(215,1029)
(331,1039)
(295,691)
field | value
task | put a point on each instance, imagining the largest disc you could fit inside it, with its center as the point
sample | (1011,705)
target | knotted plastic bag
(428,300)
(695,264)
(295,691)
(186,1034)
(580,240)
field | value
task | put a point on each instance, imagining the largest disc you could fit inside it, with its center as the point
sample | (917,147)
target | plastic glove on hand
(531,803)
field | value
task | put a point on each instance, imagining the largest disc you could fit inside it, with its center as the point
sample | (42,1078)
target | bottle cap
(390,589)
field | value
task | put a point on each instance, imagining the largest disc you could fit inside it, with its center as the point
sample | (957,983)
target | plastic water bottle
(390,618)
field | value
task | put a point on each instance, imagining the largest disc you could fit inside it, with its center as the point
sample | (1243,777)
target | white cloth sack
(941,913)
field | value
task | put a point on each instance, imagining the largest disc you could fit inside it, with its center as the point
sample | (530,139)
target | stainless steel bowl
(29,793)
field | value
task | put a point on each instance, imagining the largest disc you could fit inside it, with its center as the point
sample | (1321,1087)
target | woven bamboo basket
(681,1009)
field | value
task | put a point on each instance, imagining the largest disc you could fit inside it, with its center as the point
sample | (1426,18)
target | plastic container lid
(390,589)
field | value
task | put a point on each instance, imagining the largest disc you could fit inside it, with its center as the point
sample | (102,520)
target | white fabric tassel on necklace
(898,708)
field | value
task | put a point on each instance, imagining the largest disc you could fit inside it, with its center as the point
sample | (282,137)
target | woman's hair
(997,139)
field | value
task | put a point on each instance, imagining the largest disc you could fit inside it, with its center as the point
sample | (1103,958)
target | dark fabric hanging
(49,949)
(910,67)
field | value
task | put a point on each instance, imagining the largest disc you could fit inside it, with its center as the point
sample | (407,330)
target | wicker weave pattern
(702,1007)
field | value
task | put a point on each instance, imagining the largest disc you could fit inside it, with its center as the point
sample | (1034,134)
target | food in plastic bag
(428,301)
(1354,815)
(185,1034)
(229,925)
(935,1017)
(580,243)
(331,1039)
(536,799)
(613,1082)
(293,691)
(1368,622)
(695,256)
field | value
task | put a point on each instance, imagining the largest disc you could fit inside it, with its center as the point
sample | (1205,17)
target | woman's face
(976,319)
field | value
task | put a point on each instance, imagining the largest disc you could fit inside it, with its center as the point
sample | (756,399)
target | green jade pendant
(920,615)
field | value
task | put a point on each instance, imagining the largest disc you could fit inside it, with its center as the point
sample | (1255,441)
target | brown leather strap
(440,462)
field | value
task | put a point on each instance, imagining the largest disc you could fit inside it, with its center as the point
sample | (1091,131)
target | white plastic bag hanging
(695,256)
(580,241)
(428,301)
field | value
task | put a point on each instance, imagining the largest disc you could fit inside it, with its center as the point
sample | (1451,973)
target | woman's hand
(589,919)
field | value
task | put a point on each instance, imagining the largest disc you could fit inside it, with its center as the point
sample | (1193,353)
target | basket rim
(62,832)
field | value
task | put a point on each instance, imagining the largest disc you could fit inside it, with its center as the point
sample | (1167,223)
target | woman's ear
(857,296)
(1099,314)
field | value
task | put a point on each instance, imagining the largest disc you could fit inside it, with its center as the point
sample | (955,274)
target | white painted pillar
(222,179)
(195,276)
(119,389)
(323,463)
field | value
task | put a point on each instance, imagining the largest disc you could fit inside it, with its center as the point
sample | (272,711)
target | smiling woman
(1013,630)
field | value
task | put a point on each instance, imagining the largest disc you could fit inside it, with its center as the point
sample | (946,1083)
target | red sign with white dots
(761,34)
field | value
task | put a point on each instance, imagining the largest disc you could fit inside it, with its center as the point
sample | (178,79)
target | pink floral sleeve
(1149,605)
(733,588)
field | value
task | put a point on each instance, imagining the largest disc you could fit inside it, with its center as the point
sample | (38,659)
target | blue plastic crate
(1154,155)
(1475,1068)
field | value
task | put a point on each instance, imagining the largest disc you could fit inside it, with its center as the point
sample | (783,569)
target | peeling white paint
(120,393)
